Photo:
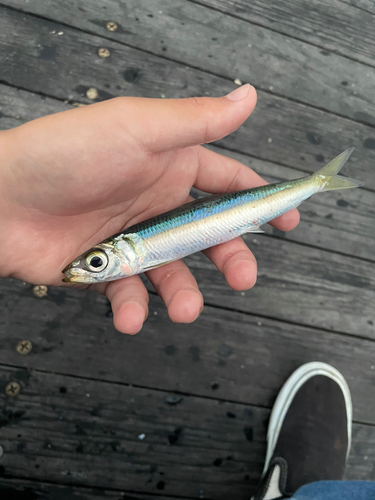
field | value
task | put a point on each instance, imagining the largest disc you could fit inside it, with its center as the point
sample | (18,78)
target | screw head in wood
(12,389)
(40,290)
(24,347)
(92,93)
(111,26)
(103,52)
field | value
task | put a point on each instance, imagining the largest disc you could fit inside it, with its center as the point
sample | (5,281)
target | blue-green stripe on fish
(199,225)
(204,207)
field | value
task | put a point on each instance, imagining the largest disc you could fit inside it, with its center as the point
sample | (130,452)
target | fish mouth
(75,276)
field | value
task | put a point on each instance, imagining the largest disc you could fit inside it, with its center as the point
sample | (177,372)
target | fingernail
(240,93)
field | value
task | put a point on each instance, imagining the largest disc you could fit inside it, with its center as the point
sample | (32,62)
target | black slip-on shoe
(309,432)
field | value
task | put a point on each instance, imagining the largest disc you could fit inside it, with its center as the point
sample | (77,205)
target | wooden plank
(18,107)
(361,434)
(338,26)
(90,433)
(224,354)
(106,435)
(299,284)
(227,46)
(23,489)
(365,5)
(280,130)
(326,221)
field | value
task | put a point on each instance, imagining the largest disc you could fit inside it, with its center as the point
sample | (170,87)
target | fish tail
(328,174)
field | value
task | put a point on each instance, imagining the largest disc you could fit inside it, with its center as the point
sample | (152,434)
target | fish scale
(238,213)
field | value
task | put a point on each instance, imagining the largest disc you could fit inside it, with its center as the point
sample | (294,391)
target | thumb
(161,125)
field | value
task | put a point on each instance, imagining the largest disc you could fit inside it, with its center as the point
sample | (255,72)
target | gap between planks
(150,388)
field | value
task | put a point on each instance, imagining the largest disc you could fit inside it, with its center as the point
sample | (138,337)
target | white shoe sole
(289,390)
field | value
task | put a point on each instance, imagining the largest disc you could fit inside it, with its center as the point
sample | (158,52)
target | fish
(199,225)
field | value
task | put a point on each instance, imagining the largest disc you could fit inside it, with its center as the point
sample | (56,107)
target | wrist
(8,160)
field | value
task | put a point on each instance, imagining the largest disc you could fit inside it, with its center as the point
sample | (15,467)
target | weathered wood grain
(361,451)
(365,5)
(109,435)
(299,284)
(18,106)
(23,489)
(279,130)
(224,354)
(212,41)
(338,25)
(99,434)
(326,221)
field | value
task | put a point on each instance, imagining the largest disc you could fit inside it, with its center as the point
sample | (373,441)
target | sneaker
(309,432)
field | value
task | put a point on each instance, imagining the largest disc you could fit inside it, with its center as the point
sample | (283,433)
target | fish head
(110,260)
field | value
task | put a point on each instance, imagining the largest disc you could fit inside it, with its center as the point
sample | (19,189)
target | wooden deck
(181,411)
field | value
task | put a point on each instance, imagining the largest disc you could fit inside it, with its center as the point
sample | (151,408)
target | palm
(89,193)
(77,177)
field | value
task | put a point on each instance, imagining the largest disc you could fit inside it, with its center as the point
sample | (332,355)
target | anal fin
(145,269)
(255,230)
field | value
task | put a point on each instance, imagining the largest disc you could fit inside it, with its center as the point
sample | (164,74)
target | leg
(309,433)
(336,490)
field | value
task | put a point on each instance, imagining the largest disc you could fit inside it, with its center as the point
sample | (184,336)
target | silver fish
(199,225)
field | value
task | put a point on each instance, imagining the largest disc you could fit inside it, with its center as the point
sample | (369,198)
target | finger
(165,124)
(177,287)
(236,262)
(221,174)
(129,299)
(287,221)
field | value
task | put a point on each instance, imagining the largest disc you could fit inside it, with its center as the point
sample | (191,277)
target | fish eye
(97,261)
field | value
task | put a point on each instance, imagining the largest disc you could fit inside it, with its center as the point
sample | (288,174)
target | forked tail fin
(328,174)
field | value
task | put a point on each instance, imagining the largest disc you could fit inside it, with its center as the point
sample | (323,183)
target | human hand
(72,179)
